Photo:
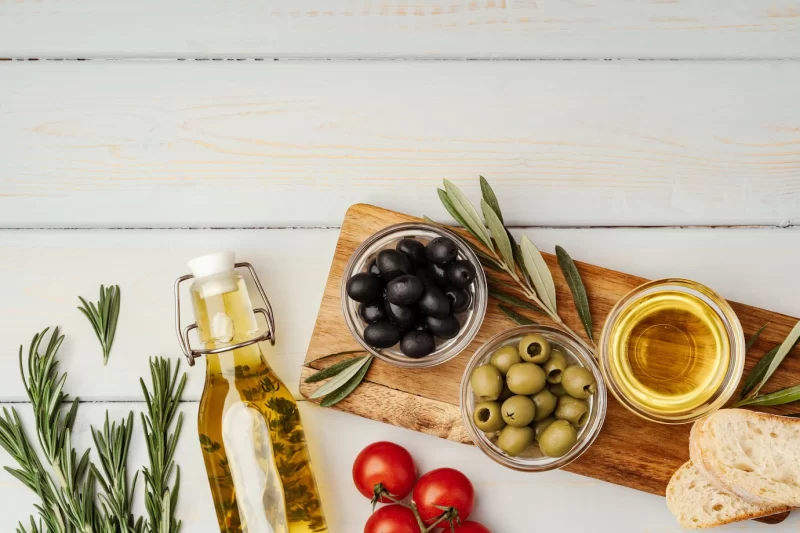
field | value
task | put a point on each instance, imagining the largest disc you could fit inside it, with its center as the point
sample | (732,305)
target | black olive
(404,290)
(441,251)
(440,275)
(403,317)
(426,276)
(414,249)
(417,344)
(381,334)
(364,287)
(392,263)
(434,303)
(459,299)
(373,268)
(461,274)
(372,311)
(444,328)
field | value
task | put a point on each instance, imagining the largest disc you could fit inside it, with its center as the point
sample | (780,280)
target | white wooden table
(659,138)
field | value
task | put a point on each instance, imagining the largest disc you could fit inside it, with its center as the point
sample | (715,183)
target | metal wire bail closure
(183,333)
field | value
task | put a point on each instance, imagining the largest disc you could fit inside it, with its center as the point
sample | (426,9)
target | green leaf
(346,352)
(340,379)
(468,214)
(540,275)
(575,285)
(499,233)
(490,198)
(513,300)
(783,351)
(781,397)
(516,317)
(332,370)
(344,391)
(757,374)
(752,340)
(452,210)
(103,316)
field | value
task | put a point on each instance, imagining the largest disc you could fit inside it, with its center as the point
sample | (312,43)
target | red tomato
(392,519)
(471,527)
(444,487)
(384,466)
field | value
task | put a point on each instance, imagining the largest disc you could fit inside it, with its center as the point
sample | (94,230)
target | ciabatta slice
(698,503)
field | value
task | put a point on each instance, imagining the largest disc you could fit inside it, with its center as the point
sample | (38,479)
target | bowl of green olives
(533,398)
(414,295)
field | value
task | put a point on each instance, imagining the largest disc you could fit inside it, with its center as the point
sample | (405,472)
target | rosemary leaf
(490,198)
(757,374)
(516,317)
(540,274)
(331,370)
(787,345)
(468,214)
(781,397)
(344,391)
(752,340)
(341,379)
(103,316)
(513,300)
(575,285)
(499,233)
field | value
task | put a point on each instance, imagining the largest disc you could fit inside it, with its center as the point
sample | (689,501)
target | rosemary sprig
(103,316)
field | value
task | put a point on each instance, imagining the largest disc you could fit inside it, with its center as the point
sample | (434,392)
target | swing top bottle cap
(208,265)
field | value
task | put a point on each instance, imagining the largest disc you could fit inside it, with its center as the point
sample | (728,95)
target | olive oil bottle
(249,425)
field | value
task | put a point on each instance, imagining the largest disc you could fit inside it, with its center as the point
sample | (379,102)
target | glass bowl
(470,320)
(656,326)
(532,460)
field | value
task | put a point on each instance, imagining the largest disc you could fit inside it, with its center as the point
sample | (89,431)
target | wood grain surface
(629,451)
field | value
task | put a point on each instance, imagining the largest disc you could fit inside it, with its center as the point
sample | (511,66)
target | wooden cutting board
(629,451)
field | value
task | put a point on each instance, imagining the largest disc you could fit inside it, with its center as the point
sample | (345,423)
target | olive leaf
(340,379)
(332,370)
(513,300)
(471,219)
(490,198)
(575,285)
(752,340)
(452,210)
(516,317)
(499,233)
(540,275)
(344,391)
(785,348)
(757,374)
(781,397)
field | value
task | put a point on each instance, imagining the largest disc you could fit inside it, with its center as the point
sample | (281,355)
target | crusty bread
(698,503)
(753,455)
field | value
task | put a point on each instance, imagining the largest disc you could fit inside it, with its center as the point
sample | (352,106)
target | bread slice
(698,503)
(753,455)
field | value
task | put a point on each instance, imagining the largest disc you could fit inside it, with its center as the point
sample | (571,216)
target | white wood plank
(45,271)
(295,143)
(399,28)
(505,499)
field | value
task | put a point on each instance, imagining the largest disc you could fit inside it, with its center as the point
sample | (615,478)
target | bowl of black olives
(533,398)
(414,294)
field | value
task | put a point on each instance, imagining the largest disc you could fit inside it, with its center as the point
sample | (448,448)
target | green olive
(487,383)
(539,427)
(505,357)
(525,378)
(554,367)
(488,417)
(514,440)
(506,394)
(558,439)
(558,390)
(573,410)
(534,349)
(518,411)
(579,382)
(545,402)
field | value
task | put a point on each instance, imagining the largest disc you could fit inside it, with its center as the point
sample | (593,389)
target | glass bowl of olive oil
(672,351)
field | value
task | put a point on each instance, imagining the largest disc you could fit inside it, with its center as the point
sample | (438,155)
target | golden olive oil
(669,352)
(253,442)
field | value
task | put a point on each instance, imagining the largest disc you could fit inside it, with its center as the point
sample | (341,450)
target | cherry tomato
(392,519)
(443,487)
(471,527)
(384,466)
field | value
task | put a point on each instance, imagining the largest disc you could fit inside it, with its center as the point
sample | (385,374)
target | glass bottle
(249,425)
